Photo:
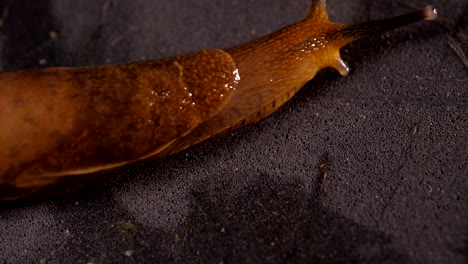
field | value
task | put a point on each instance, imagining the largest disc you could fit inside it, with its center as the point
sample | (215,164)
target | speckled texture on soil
(393,136)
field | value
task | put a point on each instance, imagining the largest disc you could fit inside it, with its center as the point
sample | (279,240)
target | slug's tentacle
(342,36)
(341,66)
(317,9)
(60,124)
(353,32)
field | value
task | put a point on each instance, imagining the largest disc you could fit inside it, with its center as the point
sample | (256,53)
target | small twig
(458,49)
(106,5)
(324,168)
(6,9)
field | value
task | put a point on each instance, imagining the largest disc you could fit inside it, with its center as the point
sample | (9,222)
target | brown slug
(71,123)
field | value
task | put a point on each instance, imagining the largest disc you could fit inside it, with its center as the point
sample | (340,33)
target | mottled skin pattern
(82,120)
(62,127)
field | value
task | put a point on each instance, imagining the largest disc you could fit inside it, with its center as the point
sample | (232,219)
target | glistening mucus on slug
(61,125)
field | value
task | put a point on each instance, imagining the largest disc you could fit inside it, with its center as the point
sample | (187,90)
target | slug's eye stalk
(430,12)
(370,28)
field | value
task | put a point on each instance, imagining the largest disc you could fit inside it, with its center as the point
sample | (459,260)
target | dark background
(392,135)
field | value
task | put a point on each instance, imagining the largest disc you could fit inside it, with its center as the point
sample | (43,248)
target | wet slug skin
(59,124)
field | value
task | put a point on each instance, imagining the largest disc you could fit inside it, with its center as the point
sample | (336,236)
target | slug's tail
(353,32)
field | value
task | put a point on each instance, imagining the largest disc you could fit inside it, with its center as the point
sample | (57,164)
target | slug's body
(59,124)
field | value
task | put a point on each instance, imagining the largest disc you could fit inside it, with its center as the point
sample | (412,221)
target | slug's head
(330,37)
